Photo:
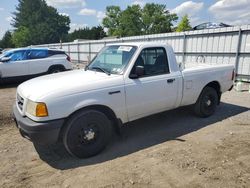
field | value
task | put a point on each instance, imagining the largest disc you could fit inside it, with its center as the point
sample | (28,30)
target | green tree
(112,20)
(134,20)
(93,33)
(21,37)
(130,21)
(156,19)
(98,32)
(6,41)
(184,24)
(39,23)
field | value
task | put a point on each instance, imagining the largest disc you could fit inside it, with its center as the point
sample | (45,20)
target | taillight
(68,58)
(233,74)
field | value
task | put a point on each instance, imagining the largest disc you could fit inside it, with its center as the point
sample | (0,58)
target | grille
(20,101)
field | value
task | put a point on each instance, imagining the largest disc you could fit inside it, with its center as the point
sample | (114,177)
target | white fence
(214,46)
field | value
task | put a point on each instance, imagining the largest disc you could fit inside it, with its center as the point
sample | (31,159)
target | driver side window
(17,56)
(154,61)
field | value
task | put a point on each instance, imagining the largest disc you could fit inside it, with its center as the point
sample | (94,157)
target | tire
(206,103)
(87,133)
(54,70)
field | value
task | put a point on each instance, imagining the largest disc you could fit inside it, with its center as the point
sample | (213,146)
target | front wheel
(207,102)
(87,133)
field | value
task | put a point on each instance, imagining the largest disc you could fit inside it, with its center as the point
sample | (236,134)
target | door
(156,90)
(16,66)
(38,61)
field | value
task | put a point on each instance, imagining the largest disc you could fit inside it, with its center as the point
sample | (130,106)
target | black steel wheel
(87,133)
(207,102)
(55,69)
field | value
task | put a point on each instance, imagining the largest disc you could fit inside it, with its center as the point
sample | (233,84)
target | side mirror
(139,71)
(5,59)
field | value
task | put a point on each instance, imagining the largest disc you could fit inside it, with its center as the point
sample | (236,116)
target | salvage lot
(171,149)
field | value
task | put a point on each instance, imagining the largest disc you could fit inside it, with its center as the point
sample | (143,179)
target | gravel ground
(170,149)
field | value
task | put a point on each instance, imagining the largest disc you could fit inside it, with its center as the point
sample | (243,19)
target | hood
(66,83)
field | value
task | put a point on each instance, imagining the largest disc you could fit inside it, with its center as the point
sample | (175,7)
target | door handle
(170,80)
(114,92)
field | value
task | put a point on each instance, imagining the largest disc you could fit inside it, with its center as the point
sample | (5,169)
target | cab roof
(34,48)
(139,44)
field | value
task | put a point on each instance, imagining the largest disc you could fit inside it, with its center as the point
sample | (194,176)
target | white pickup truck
(124,82)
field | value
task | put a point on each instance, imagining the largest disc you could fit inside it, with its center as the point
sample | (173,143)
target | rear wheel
(87,133)
(54,70)
(207,102)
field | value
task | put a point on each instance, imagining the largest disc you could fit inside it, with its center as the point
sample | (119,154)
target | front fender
(89,102)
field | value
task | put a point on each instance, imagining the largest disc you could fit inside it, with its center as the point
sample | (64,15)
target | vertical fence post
(78,52)
(61,44)
(184,49)
(237,57)
(69,49)
(89,52)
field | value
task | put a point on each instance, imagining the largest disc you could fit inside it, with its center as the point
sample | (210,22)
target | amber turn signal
(41,110)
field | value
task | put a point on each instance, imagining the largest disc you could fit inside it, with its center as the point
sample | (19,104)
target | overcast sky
(90,12)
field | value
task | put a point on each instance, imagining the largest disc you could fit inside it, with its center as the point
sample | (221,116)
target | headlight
(37,109)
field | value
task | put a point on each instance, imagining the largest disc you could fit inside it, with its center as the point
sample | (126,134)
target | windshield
(15,55)
(112,59)
(7,54)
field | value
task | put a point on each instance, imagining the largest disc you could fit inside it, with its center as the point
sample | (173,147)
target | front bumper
(43,133)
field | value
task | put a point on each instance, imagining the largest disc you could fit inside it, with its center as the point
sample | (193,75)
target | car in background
(210,25)
(24,63)
(1,50)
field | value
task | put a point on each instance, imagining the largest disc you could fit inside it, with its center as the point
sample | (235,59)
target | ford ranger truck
(81,108)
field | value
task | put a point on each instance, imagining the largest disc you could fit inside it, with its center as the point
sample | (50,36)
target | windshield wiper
(86,67)
(101,69)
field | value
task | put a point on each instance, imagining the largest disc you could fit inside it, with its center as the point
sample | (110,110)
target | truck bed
(203,66)
(197,75)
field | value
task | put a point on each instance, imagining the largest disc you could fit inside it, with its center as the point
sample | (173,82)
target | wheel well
(56,66)
(116,123)
(217,88)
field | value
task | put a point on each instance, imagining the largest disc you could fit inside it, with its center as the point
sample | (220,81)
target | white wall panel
(217,46)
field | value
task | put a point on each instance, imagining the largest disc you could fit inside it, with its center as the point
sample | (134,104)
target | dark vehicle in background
(210,25)
(24,63)
(1,50)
